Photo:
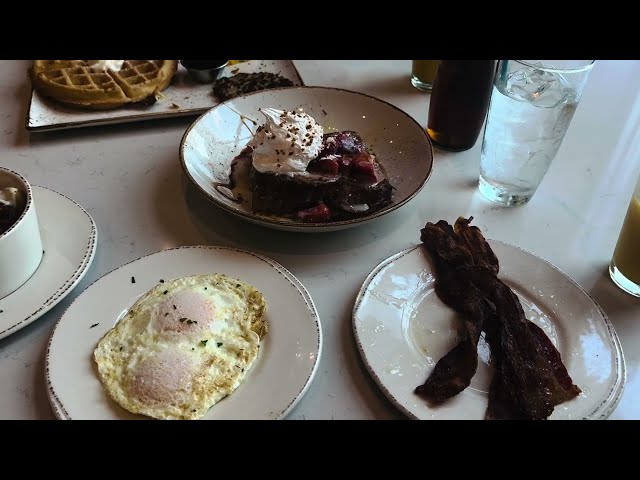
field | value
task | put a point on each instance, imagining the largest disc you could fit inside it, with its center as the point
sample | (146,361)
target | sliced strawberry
(319,213)
(328,165)
(366,171)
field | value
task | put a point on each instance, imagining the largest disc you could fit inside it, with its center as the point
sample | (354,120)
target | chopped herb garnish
(133,279)
(237,285)
(161,280)
(323,111)
(175,308)
(219,344)
(1,311)
(165,292)
(183,319)
(243,369)
(192,348)
(166,314)
(193,410)
(120,348)
(205,288)
(94,325)
(204,342)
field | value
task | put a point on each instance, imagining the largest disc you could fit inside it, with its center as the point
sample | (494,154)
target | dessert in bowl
(295,170)
(20,242)
(355,154)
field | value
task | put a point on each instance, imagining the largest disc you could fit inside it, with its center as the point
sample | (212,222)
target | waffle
(74,82)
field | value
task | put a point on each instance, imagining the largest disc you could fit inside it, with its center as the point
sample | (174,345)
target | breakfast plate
(69,239)
(184,97)
(279,377)
(400,144)
(402,329)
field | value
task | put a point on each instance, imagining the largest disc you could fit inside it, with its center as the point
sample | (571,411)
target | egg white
(183,346)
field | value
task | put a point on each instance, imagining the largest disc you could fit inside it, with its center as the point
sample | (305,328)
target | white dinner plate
(69,238)
(278,378)
(402,329)
(401,146)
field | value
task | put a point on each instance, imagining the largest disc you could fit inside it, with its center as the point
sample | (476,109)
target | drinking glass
(423,73)
(532,104)
(625,264)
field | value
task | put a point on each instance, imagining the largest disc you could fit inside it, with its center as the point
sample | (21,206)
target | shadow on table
(615,302)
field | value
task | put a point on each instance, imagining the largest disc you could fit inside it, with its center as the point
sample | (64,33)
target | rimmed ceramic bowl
(20,245)
(215,138)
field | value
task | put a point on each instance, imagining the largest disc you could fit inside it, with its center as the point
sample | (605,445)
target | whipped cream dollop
(101,65)
(11,196)
(287,142)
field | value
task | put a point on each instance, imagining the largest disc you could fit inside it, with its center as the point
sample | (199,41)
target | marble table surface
(129,179)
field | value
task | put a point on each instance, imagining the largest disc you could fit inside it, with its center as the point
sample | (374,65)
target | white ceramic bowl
(20,246)
(399,142)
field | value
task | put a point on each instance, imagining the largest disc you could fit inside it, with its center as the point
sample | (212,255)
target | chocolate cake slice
(344,181)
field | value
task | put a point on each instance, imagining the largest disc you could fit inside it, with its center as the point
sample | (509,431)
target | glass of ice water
(532,104)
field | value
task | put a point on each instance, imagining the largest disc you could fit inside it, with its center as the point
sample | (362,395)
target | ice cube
(538,87)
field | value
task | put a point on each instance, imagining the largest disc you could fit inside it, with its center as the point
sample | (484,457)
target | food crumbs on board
(161,280)
(133,279)
(324,111)
(94,325)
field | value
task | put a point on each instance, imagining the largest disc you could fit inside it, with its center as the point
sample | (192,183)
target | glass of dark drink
(459,102)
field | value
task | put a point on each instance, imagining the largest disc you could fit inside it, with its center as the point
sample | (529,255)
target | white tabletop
(129,179)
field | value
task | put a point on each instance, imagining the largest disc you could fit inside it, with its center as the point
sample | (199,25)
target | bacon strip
(530,378)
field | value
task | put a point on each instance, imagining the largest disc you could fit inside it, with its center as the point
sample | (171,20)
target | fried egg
(183,346)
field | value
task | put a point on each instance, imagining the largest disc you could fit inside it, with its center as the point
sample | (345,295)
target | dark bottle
(459,102)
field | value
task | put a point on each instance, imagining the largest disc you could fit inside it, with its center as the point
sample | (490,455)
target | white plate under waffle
(184,97)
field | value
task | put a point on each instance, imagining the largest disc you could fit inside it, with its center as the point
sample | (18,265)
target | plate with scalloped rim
(402,329)
(69,239)
(401,146)
(278,379)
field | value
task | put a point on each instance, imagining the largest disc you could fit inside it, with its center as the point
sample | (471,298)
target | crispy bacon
(453,372)
(530,378)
